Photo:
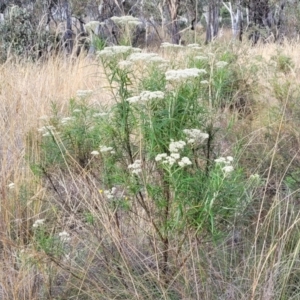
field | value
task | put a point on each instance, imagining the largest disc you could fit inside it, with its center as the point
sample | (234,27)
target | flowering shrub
(154,135)
(151,156)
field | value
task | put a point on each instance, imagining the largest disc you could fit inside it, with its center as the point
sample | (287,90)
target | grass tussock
(173,177)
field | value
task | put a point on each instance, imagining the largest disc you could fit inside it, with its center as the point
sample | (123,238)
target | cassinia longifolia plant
(152,151)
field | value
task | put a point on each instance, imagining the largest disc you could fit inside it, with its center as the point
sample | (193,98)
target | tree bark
(212,20)
(173,7)
(68,35)
(236,16)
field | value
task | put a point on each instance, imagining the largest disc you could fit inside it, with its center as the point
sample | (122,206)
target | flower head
(110,194)
(185,161)
(204,82)
(145,57)
(227,169)
(101,114)
(193,45)
(67,120)
(221,64)
(38,223)
(46,129)
(178,75)
(125,64)
(169,45)
(105,53)
(175,155)
(146,96)
(104,149)
(220,160)
(176,146)
(119,49)
(136,167)
(64,236)
(169,160)
(126,19)
(200,57)
(254,176)
(225,163)
(195,136)
(11,186)
(133,99)
(159,157)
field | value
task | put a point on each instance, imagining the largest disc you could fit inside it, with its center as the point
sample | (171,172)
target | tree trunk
(173,7)
(258,15)
(236,16)
(212,20)
(68,36)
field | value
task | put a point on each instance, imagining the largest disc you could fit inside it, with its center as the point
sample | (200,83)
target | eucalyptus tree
(173,7)
(212,17)
(237,18)
(260,18)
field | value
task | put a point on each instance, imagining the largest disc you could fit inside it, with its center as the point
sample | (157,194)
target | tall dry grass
(26,93)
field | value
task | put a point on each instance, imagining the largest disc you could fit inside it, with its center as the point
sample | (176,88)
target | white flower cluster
(200,57)
(11,186)
(66,120)
(255,177)
(226,162)
(136,167)
(110,194)
(47,130)
(133,99)
(158,59)
(174,148)
(64,236)
(196,136)
(193,45)
(38,223)
(221,64)
(185,161)
(181,74)
(146,57)
(124,64)
(122,49)
(105,53)
(126,20)
(113,50)
(146,96)
(169,45)
(104,149)
(102,114)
